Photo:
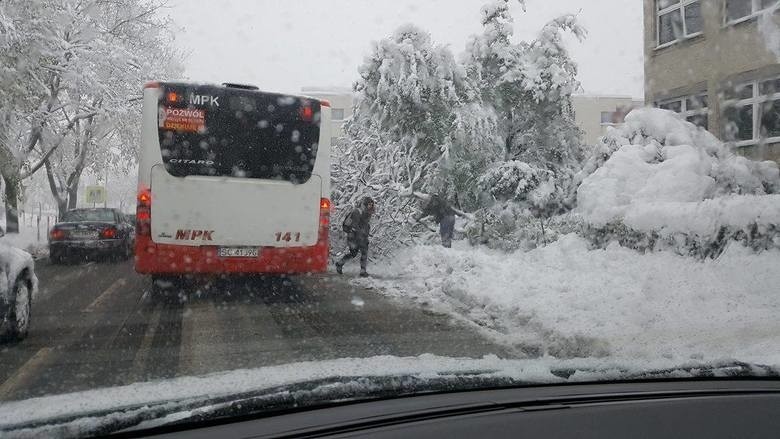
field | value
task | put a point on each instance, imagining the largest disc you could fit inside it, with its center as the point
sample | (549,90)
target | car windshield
(319,201)
(88,215)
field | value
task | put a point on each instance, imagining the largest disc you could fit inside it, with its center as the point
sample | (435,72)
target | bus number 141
(288,236)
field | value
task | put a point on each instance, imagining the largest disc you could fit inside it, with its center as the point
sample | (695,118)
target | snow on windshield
(341,188)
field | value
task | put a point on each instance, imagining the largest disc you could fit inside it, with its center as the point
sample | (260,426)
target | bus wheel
(168,287)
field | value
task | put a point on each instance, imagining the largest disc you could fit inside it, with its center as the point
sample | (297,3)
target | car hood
(13,261)
(311,384)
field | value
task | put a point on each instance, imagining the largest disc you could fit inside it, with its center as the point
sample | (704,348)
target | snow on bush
(513,180)
(527,203)
(660,181)
(568,300)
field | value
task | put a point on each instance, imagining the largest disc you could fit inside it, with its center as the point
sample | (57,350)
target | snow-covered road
(568,300)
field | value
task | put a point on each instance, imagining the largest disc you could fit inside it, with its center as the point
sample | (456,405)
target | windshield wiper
(724,369)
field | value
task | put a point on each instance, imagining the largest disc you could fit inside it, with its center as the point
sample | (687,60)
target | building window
(615,117)
(337,114)
(751,112)
(694,108)
(677,19)
(741,10)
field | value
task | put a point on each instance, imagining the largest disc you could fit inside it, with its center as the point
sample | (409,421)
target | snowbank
(27,240)
(706,217)
(568,300)
(664,175)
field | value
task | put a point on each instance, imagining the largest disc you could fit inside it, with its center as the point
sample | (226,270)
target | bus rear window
(226,132)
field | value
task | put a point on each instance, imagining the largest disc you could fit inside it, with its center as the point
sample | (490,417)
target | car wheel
(116,256)
(129,251)
(55,257)
(20,310)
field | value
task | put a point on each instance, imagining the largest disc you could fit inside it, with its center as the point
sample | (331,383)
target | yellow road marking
(22,375)
(108,292)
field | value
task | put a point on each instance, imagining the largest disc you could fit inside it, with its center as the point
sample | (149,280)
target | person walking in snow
(357,227)
(442,213)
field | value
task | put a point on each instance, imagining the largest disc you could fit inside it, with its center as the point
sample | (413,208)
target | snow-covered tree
(473,147)
(79,67)
(30,81)
(370,164)
(408,87)
(528,86)
(407,94)
(426,124)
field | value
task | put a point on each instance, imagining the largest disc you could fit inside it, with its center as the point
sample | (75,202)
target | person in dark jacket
(357,227)
(442,213)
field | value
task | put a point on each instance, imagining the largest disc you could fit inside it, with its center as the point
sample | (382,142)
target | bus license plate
(238,252)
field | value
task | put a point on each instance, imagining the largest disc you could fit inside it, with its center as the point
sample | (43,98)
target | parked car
(18,287)
(95,231)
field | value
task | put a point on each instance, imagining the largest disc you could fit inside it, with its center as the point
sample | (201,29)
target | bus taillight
(324,213)
(143,213)
(307,113)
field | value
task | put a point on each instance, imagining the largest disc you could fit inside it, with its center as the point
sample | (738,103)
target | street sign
(95,194)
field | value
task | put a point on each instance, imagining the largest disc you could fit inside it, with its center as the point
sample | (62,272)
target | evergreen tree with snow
(408,87)
(528,87)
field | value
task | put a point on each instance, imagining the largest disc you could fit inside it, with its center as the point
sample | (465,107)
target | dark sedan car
(97,231)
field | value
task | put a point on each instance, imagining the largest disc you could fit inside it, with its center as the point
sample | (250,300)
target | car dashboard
(709,408)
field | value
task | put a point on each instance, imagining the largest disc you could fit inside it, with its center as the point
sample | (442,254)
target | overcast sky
(283,45)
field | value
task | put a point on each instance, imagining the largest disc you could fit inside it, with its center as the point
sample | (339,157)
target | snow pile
(665,179)
(27,240)
(567,300)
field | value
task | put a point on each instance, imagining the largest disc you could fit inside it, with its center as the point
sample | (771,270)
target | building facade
(713,61)
(595,114)
(341,100)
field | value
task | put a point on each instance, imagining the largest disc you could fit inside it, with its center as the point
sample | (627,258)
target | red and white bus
(232,180)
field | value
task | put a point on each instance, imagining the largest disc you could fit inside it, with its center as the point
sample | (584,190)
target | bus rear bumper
(166,259)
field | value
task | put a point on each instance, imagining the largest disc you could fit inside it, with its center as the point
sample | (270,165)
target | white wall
(341,100)
(588,109)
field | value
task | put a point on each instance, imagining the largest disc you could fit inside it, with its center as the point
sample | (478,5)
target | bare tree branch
(56,145)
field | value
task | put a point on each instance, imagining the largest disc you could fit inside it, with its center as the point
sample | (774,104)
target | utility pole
(105,190)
